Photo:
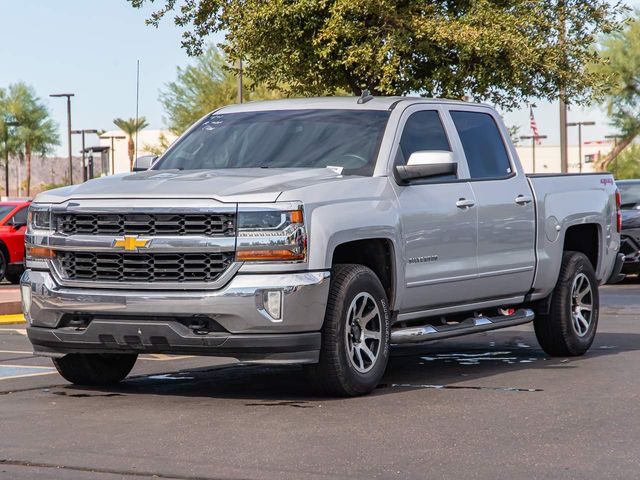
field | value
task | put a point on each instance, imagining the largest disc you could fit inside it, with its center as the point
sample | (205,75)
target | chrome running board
(425,333)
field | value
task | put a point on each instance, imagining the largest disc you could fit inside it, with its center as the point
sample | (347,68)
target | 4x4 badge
(131,243)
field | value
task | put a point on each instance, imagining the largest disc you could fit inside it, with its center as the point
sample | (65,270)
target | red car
(13,224)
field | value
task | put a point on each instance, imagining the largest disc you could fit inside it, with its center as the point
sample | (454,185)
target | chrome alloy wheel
(581,304)
(363,332)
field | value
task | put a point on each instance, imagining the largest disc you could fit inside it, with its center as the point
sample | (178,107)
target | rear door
(438,219)
(505,207)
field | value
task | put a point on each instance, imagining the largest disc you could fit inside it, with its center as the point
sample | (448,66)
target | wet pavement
(488,406)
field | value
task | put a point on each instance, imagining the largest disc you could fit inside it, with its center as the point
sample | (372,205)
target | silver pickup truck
(318,232)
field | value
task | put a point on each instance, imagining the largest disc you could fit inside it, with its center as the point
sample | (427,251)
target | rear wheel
(95,368)
(355,334)
(570,326)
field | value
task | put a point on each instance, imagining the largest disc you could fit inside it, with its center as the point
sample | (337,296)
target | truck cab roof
(339,103)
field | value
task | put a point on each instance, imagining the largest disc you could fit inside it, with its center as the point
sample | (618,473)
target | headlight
(39,219)
(267,235)
(39,227)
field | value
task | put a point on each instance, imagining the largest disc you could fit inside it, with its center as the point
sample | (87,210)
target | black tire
(4,263)
(95,368)
(557,332)
(337,372)
(14,277)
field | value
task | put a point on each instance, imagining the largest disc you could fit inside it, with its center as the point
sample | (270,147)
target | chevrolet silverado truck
(318,232)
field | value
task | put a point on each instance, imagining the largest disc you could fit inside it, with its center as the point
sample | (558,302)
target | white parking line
(8,371)
(28,375)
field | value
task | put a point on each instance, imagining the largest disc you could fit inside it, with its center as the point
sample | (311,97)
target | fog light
(25,291)
(273,304)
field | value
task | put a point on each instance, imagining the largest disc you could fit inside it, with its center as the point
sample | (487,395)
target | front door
(438,218)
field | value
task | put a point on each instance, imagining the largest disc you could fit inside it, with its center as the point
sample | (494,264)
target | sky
(90,48)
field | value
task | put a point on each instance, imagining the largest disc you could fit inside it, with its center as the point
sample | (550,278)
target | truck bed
(563,201)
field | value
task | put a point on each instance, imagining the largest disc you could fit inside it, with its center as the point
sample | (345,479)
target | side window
(423,131)
(21,216)
(483,146)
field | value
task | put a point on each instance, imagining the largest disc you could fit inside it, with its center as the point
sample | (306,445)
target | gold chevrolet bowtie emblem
(130,243)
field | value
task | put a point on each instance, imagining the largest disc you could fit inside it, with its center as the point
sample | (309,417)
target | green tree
(621,66)
(502,51)
(626,164)
(203,86)
(36,131)
(131,127)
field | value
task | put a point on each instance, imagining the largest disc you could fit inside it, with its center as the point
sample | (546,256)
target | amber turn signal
(40,252)
(282,254)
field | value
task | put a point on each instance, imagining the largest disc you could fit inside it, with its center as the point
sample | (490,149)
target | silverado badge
(131,243)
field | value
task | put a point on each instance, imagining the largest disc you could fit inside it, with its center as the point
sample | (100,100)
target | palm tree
(37,132)
(131,127)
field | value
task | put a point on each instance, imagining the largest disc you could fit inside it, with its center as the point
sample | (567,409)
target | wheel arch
(378,254)
(584,238)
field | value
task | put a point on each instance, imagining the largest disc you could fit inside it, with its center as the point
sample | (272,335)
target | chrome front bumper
(144,320)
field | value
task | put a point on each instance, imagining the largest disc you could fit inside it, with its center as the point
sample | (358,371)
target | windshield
(630,194)
(282,139)
(5,210)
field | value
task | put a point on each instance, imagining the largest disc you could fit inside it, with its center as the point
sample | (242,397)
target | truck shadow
(468,363)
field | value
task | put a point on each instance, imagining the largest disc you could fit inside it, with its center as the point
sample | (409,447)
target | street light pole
(7,124)
(68,96)
(534,139)
(580,125)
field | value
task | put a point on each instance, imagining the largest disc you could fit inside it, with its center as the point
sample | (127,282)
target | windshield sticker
(212,122)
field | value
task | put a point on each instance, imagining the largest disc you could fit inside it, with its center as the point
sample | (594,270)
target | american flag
(534,126)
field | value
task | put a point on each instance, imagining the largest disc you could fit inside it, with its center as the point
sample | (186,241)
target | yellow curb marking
(10,319)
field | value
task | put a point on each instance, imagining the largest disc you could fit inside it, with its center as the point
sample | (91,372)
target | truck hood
(229,185)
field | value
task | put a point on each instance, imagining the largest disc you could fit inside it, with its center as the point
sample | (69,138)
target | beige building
(118,158)
(547,157)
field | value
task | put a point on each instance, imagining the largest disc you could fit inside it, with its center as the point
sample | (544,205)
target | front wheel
(14,277)
(355,334)
(570,326)
(95,368)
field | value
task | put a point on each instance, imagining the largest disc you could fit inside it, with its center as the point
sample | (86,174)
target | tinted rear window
(482,143)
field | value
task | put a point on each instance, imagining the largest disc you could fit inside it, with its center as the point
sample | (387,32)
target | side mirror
(426,165)
(144,163)
(16,224)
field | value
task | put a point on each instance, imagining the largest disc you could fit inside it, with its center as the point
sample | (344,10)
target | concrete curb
(11,308)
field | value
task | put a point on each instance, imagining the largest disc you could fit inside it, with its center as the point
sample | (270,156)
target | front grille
(213,225)
(144,267)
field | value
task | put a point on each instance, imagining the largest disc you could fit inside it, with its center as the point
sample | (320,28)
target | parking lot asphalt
(488,406)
